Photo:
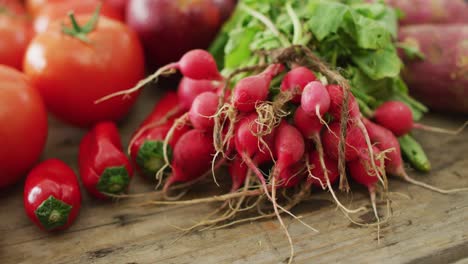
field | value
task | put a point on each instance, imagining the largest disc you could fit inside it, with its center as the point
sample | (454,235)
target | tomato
(71,74)
(119,5)
(23,125)
(60,10)
(33,6)
(15,33)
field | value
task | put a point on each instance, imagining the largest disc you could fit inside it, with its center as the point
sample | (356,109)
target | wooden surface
(426,227)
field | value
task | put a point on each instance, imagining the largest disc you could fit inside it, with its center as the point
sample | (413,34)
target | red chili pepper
(167,108)
(147,150)
(104,168)
(52,197)
(146,146)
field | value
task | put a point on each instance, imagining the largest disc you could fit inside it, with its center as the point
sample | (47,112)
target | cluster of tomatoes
(62,64)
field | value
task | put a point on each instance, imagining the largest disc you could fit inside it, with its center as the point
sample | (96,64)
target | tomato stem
(81,32)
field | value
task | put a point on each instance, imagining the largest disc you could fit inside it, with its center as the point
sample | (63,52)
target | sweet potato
(441,79)
(431,11)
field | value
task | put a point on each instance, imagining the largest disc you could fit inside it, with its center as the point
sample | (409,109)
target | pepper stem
(53,213)
(114,180)
(81,32)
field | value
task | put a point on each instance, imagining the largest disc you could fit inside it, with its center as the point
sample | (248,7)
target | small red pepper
(146,146)
(147,150)
(52,197)
(167,108)
(104,168)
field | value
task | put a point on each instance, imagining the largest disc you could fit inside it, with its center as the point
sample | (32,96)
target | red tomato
(33,6)
(51,12)
(23,125)
(15,33)
(72,74)
(119,5)
(52,197)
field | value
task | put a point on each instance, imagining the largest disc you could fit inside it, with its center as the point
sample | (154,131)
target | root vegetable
(189,89)
(440,80)
(354,141)
(203,109)
(315,99)
(295,81)
(191,157)
(254,89)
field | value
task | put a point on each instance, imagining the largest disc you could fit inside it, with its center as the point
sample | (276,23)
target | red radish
(189,89)
(168,107)
(309,125)
(398,118)
(196,64)
(254,89)
(203,109)
(354,141)
(291,176)
(246,140)
(336,102)
(289,147)
(317,171)
(361,170)
(385,140)
(199,64)
(295,81)
(191,158)
(315,99)
(238,171)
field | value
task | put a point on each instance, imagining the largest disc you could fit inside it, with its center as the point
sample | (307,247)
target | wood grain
(426,227)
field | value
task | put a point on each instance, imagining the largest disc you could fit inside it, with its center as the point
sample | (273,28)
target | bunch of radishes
(303,131)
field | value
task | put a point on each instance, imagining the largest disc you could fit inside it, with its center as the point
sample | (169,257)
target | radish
(354,141)
(254,89)
(291,176)
(316,169)
(295,81)
(189,89)
(238,171)
(315,99)
(203,109)
(309,125)
(196,64)
(336,102)
(398,118)
(289,147)
(191,157)
(362,171)
(385,140)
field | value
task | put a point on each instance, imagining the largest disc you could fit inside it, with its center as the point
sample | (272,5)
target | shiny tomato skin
(15,34)
(33,6)
(59,10)
(23,125)
(71,74)
(52,178)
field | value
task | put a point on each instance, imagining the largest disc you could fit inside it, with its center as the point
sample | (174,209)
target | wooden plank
(426,227)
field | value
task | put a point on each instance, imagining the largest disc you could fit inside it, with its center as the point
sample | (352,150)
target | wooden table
(426,227)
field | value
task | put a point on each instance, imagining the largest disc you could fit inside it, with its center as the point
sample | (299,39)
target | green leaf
(378,64)
(238,47)
(411,50)
(326,17)
(369,34)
